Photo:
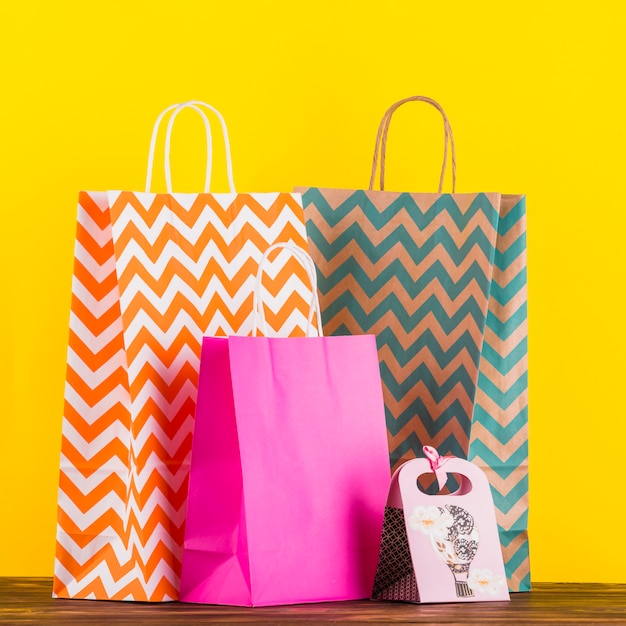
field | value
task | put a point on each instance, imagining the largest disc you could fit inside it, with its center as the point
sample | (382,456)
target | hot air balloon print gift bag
(441,547)
(153,273)
(289,469)
(440,279)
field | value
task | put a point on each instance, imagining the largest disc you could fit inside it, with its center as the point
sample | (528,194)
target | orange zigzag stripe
(213,270)
(119,570)
(133,236)
(92,396)
(174,458)
(89,431)
(98,322)
(100,527)
(112,483)
(87,467)
(99,286)
(170,424)
(100,216)
(95,360)
(203,202)
(99,253)
(141,305)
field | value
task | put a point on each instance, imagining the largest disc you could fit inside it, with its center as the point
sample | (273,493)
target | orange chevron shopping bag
(153,273)
(289,469)
(440,279)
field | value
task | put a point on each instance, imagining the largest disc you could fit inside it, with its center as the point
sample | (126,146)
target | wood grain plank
(29,601)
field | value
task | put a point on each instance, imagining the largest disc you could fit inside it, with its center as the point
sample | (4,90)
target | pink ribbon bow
(436,464)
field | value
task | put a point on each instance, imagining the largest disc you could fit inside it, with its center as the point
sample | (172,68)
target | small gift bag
(440,547)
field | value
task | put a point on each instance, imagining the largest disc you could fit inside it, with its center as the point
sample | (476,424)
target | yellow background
(534,92)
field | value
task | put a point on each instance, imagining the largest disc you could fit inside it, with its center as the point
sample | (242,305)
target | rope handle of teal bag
(380,148)
(307,262)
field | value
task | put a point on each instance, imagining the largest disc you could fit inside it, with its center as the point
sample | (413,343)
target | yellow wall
(534,94)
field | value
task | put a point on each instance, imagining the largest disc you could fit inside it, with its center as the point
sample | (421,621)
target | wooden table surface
(29,601)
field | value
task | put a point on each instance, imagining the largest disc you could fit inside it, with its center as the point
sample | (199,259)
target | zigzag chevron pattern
(154,273)
(415,270)
(499,439)
(431,276)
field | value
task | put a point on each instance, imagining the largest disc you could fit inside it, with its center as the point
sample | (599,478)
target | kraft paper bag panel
(289,471)
(440,279)
(440,547)
(153,273)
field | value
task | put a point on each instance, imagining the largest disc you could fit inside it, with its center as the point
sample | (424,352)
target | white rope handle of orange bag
(308,264)
(195,105)
(381,142)
(166,165)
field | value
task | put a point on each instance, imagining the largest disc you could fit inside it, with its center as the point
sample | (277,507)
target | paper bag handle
(381,142)
(308,264)
(195,105)
(166,164)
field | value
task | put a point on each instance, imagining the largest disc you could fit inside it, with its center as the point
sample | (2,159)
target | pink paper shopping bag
(289,469)
(440,545)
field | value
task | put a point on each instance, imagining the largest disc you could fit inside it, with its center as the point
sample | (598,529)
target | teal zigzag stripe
(404,203)
(504,399)
(507,536)
(413,445)
(427,340)
(440,238)
(506,502)
(504,329)
(502,433)
(505,364)
(503,467)
(503,294)
(504,258)
(423,374)
(432,423)
(412,286)
(515,214)
(408,320)
(518,557)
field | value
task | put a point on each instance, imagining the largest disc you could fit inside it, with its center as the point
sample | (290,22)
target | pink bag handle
(308,264)
(381,142)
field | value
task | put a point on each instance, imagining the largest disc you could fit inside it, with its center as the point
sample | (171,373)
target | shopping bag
(289,471)
(440,279)
(440,547)
(153,273)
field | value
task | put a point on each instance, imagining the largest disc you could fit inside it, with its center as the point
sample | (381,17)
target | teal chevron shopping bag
(440,279)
